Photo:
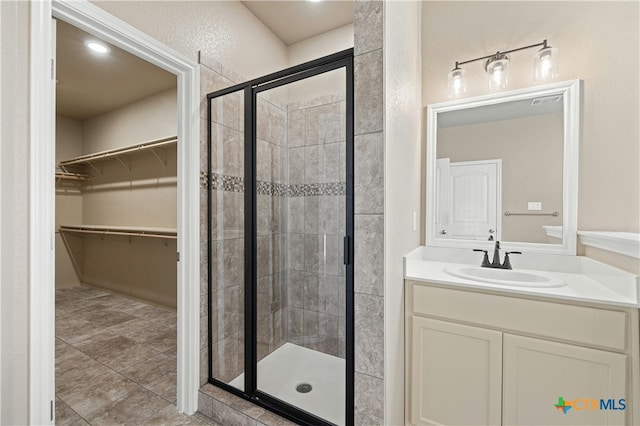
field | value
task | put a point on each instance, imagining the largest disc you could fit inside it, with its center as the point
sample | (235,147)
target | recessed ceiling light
(315,1)
(97,46)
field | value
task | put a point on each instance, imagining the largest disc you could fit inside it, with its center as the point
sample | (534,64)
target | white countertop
(587,280)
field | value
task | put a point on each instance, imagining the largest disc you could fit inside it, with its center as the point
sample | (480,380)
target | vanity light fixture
(457,83)
(97,46)
(496,65)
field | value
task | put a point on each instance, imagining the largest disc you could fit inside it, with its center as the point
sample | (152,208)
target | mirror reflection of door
(469,199)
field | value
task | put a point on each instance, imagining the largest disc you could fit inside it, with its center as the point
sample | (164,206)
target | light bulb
(545,64)
(457,83)
(497,67)
(97,46)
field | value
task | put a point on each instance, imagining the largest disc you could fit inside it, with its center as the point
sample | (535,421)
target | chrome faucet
(496,258)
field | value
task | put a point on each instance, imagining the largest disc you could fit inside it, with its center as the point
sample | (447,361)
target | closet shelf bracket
(123,164)
(94,167)
(164,162)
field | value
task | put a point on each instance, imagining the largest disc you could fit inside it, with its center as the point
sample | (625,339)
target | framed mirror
(505,167)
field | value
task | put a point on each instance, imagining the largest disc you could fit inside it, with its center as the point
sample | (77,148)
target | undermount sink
(505,276)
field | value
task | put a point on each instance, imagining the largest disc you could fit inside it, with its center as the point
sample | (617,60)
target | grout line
(366,52)
(355,135)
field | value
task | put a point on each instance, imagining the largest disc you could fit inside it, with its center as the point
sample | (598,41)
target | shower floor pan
(282,371)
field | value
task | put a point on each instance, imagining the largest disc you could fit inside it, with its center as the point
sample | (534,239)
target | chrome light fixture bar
(496,65)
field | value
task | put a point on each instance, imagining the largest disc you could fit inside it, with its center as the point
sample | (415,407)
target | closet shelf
(131,231)
(71,176)
(115,154)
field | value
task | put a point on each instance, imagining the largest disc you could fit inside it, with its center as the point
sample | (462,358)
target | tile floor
(115,361)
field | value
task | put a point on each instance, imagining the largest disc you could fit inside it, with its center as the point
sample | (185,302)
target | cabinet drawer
(590,326)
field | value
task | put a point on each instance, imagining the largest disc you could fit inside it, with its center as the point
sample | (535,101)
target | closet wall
(68,200)
(139,193)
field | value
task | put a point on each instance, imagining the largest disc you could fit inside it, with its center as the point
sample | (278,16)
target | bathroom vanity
(554,341)
(479,352)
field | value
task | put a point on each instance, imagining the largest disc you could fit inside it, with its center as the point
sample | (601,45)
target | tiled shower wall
(227,233)
(369,142)
(316,224)
(271,174)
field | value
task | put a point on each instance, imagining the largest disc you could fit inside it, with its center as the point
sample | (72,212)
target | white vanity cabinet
(481,358)
(536,372)
(456,373)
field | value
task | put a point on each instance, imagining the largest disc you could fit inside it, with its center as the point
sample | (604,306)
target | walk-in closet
(115,243)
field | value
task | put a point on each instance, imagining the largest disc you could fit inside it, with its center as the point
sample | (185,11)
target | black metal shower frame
(343,59)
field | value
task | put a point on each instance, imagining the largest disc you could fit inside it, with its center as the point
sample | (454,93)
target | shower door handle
(346,250)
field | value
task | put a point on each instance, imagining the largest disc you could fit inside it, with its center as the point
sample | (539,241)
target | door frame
(94,20)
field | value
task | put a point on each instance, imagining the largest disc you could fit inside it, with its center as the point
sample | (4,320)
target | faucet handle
(507,263)
(485,259)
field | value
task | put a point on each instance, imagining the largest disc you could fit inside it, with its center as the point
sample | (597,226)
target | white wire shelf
(130,231)
(72,176)
(116,154)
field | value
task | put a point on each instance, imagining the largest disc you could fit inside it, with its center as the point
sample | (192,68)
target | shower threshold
(282,372)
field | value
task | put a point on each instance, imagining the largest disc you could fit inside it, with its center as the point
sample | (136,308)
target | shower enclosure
(280,240)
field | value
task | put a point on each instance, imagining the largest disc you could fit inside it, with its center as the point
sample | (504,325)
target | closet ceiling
(90,84)
(294,21)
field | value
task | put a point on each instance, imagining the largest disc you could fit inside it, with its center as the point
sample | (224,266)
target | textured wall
(606,57)
(225,30)
(14,211)
(403,155)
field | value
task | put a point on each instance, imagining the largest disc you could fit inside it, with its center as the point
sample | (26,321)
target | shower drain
(304,388)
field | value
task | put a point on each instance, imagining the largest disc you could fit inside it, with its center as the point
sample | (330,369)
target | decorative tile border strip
(227,183)
(269,188)
(317,189)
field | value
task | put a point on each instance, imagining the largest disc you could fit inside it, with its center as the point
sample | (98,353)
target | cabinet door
(456,374)
(538,372)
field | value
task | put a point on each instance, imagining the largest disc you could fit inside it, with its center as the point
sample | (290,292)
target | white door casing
(443,185)
(94,20)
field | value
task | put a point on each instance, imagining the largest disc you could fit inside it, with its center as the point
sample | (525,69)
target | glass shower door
(301,159)
(279,241)
(226,239)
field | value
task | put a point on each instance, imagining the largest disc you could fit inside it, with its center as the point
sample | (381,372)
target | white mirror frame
(571,91)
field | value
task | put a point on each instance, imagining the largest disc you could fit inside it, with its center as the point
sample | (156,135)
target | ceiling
(294,21)
(501,111)
(90,84)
